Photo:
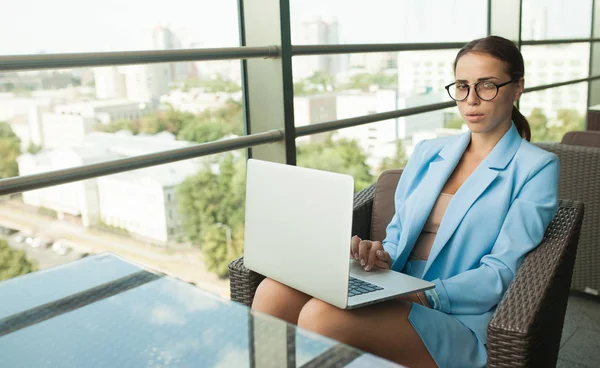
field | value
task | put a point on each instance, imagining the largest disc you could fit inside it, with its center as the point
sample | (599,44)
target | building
(105,111)
(65,130)
(147,83)
(77,199)
(317,31)
(377,140)
(109,83)
(142,202)
(196,100)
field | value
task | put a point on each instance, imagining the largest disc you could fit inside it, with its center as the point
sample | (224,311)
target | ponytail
(521,123)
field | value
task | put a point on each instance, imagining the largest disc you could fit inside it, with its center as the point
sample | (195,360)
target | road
(184,262)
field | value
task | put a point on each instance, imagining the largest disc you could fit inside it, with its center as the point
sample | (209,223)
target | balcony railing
(51,178)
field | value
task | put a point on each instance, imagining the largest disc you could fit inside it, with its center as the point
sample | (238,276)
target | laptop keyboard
(359,287)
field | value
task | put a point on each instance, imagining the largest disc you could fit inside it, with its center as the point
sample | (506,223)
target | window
(551,19)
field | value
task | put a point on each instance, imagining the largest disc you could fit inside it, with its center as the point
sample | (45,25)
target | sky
(57,26)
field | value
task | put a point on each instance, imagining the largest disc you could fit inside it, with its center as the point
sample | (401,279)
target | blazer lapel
(472,189)
(439,170)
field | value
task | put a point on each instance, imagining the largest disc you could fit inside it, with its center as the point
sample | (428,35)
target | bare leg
(279,300)
(382,329)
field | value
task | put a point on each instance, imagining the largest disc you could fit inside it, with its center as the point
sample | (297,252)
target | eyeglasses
(485,90)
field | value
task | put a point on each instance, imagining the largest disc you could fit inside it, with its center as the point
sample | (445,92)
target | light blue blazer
(495,218)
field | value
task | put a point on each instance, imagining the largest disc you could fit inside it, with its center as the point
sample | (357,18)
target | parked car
(41,242)
(62,247)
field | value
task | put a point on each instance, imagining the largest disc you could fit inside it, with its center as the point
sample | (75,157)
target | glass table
(104,311)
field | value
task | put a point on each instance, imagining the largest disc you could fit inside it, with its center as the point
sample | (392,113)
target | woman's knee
(321,317)
(279,300)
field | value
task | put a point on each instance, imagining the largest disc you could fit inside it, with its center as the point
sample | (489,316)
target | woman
(468,210)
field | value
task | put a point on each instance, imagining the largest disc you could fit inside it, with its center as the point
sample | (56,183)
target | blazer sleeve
(479,290)
(394,228)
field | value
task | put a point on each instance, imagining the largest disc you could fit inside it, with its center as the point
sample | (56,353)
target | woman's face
(486,116)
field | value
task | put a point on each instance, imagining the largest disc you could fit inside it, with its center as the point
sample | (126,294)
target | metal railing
(57,177)
(95,59)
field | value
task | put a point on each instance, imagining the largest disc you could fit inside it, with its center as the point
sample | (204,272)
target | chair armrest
(527,325)
(243,282)
(362,211)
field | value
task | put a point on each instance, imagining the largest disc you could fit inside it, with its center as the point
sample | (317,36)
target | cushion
(383,203)
(582,138)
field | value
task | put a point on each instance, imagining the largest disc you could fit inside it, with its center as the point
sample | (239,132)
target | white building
(317,31)
(76,199)
(551,64)
(196,100)
(63,130)
(109,82)
(143,202)
(377,139)
(146,83)
(105,111)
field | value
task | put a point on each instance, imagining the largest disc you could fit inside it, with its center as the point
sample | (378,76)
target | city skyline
(118,26)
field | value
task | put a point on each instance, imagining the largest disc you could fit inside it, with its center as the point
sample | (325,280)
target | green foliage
(542,131)
(213,85)
(118,125)
(208,199)
(364,81)
(398,161)
(318,82)
(210,125)
(33,148)
(47,212)
(342,156)
(10,149)
(455,121)
(13,262)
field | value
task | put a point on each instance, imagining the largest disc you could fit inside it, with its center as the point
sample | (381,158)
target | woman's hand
(370,253)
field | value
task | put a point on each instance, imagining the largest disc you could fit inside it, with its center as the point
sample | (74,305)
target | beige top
(425,240)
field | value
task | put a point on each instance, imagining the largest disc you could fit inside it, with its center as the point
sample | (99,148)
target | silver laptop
(298,232)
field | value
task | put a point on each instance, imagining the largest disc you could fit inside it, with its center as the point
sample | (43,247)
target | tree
(318,82)
(342,156)
(13,262)
(570,120)
(10,149)
(33,148)
(538,124)
(118,125)
(453,121)
(398,161)
(212,85)
(364,81)
(213,204)
(566,120)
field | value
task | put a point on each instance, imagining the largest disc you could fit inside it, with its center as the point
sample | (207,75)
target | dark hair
(506,51)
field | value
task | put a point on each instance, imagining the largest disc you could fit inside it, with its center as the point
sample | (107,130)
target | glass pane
(377,82)
(184,219)
(63,26)
(67,118)
(345,22)
(553,112)
(556,19)
(555,63)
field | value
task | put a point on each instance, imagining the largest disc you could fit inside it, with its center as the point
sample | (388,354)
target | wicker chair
(527,326)
(579,177)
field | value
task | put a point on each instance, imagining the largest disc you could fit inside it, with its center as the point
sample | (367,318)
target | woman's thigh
(382,329)
(279,300)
